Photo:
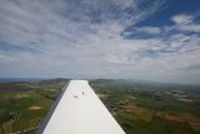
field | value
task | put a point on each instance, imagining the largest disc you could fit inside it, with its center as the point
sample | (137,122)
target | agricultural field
(23,105)
(139,107)
(151,108)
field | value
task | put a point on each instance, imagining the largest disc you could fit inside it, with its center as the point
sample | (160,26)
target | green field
(23,105)
(151,108)
(139,107)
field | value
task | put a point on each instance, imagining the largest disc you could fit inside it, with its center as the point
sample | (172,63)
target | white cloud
(66,41)
(182,19)
(186,23)
(5,58)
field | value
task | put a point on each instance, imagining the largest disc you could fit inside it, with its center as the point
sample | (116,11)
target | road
(80,111)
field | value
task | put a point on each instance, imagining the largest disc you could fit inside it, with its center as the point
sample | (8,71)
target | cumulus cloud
(182,19)
(186,23)
(88,39)
(151,30)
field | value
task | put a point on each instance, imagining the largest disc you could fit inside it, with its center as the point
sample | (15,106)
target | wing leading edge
(80,111)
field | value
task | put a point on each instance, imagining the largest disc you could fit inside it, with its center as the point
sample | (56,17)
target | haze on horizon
(132,39)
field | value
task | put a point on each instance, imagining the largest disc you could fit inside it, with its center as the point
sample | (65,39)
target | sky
(157,40)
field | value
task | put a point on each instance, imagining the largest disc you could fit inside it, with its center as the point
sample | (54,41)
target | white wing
(80,111)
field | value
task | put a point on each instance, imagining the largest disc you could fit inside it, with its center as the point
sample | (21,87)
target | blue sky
(157,40)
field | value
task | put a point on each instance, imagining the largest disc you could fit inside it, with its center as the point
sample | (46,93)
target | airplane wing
(80,111)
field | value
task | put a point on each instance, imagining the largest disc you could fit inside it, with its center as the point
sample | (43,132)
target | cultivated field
(23,105)
(152,108)
(139,107)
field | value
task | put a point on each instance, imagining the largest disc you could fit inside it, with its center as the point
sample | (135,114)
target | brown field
(34,107)
(22,95)
(102,96)
(144,113)
(182,97)
(147,114)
